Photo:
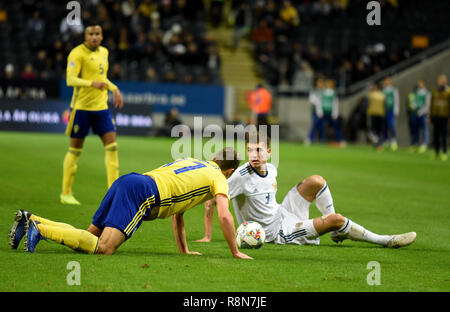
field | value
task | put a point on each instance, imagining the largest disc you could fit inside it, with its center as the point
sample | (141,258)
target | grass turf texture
(388,192)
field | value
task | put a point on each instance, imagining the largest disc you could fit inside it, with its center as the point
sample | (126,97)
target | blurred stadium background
(202,57)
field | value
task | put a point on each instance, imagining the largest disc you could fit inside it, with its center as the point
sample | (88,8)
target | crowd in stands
(153,40)
(168,41)
(332,37)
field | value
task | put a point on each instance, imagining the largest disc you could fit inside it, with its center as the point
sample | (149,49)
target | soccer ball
(249,235)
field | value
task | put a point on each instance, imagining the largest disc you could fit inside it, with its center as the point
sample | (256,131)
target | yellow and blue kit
(89,107)
(170,189)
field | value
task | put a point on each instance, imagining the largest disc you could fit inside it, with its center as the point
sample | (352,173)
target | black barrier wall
(53,116)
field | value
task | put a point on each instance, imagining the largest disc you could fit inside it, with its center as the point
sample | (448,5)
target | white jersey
(258,202)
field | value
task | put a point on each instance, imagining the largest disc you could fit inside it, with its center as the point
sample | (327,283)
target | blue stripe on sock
(322,190)
(345,226)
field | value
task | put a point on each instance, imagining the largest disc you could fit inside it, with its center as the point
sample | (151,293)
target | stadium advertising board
(29,89)
(53,116)
(189,99)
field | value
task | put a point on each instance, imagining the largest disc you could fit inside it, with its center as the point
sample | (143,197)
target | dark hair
(227,158)
(257,137)
(91,23)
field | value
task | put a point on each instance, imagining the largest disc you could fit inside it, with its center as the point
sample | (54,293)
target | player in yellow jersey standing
(87,67)
(169,190)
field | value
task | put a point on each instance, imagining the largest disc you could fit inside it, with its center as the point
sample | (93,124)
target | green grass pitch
(387,192)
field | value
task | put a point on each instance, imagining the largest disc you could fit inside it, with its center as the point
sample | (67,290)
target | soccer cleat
(338,237)
(372,137)
(422,149)
(69,199)
(401,240)
(443,157)
(394,146)
(33,236)
(18,230)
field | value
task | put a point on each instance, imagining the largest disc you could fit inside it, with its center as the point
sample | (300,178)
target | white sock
(358,233)
(324,201)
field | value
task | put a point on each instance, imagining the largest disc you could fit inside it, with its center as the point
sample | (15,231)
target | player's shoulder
(103,49)
(271,167)
(79,49)
(244,169)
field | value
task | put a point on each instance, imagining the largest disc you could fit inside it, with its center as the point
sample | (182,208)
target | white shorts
(295,227)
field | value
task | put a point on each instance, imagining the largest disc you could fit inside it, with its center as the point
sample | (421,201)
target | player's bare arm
(208,220)
(227,224)
(118,100)
(180,235)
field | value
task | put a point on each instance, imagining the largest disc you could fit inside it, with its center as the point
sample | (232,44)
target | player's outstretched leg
(19,228)
(76,239)
(345,228)
(79,240)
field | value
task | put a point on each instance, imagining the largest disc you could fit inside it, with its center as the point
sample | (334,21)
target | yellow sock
(112,162)
(50,222)
(74,238)
(70,168)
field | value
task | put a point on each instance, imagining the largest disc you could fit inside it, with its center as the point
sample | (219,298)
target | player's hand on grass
(118,100)
(99,85)
(241,255)
(205,239)
(193,253)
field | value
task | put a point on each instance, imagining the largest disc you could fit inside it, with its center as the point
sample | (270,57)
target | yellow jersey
(440,103)
(376,106)
(83,67)
(187,182)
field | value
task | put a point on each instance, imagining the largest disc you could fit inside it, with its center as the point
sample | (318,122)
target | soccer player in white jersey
(253,186)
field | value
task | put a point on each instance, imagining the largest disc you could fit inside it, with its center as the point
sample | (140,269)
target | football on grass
(249,235)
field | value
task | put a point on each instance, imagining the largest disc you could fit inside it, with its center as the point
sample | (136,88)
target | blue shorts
(128,201)
(80,124)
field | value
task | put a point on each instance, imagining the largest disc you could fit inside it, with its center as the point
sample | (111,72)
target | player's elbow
(70,81)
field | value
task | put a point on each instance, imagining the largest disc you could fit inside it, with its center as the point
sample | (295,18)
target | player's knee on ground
(105,249)
(311,186)
(109,241)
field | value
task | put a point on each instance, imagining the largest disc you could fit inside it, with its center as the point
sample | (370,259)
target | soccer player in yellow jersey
(170,190)
(87,66)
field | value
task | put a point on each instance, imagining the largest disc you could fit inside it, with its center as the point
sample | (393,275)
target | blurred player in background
(314,100)
(328,111)
(420,107)
(260,103)
(392,110)
(376,111)
(440,113)
(254,186)
(169,190)
(87,67)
